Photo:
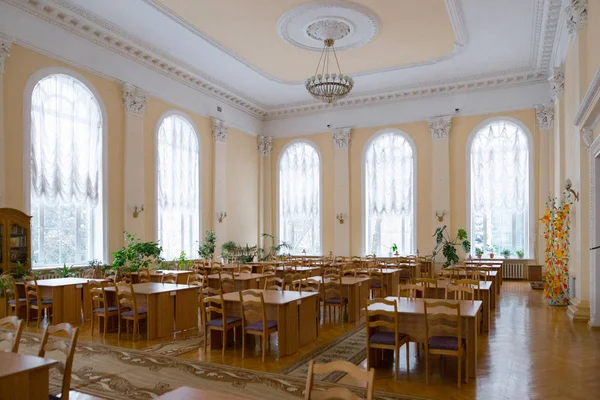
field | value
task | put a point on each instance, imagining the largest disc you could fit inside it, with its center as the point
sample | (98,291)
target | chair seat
(218,322)
(44,302)
(130,312)
(376,284)
(20,301)
(444,343)
(258,325)
(337,300)
(110,309)
(382,337)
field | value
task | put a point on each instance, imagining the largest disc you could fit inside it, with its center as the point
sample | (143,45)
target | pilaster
(134,101)
(341,192)
(545,124)
(440,170)
(265,149)
(557,87)
(219,133)
(4,54)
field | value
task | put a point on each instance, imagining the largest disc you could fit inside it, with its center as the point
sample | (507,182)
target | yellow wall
(242,159)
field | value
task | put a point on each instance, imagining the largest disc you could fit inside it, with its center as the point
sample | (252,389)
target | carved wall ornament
(576,15)
(219,130)
(341,138)
(134,99)
(265,145)
(4,53)
(440,127)
(557,82)
(587,134)
(545,115)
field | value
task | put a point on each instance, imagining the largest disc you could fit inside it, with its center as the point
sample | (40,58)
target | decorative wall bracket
(440,215)
(340,218)
(137,212)
(569,189)
(221,216)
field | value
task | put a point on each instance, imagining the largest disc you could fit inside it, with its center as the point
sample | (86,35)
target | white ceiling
(499,44)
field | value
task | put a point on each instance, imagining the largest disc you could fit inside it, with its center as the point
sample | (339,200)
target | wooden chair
(349,271)
(68,348)
(460,292)
(472,283)
(354,371)
(443,330)
(427,283)
(14,337)
(197,279)
(215,304)
(481,274)
(227,282)
(88,273)
(274,283)
(330,272)
(100,307)
(254,319)
(389,338)
(245,269)
(269,270)
(124,275)
(34,301)
(411,290)
(143,275)
(169,277)
(128,309)
(362,273)
(13,301)
(377,284)
(332,296)
(111,275)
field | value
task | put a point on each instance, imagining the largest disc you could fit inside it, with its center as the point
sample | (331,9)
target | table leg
(165,309)
(186,309)
(57,305)
(351,293)
(307,312)
(486,310)
(152,319)
(472,327)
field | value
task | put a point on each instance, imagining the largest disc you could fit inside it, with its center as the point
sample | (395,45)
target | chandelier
(325,86)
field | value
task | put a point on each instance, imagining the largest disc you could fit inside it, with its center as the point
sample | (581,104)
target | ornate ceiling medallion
(328,29)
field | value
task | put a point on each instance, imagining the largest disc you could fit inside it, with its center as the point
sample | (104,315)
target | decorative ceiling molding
(134,99)
(576,15)
(440,127)
(545,116)
(589,102)
(547,18)
(341,138)
(264,145)
(5,45)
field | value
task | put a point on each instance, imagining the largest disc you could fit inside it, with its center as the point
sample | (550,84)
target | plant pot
(479,256)
(491,255)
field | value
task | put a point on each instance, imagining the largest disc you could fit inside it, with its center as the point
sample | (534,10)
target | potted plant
(182,262)
(490,249)
(207,249)
(65,272)
(275,248)
(506,253)
(136,254)
(395,249)
(520,254)
(448,245)
(478,252)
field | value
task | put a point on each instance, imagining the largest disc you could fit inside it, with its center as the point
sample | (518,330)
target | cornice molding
(134,99)
(545,116)
(557,82)
(591,98)
(440,127)
(264,145)
(576,15)
(219,130)
(5,46)
(341,138)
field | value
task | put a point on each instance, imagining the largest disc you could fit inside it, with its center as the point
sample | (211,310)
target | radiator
(514,269)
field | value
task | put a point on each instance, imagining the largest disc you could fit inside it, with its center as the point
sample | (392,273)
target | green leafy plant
(19,270)
(235,252)
(65,272)
(182,262)
(520,253)
(506,253)
(394,248)
(448,245)
(207,249)
(478,251)
(136,254)
(275,248)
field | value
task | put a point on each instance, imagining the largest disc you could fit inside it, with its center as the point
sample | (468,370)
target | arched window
(389,195)
(66,172)
(178,168)
(500,188)
(300,198)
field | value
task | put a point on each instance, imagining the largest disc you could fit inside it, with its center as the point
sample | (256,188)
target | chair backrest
(253,307)
(355,371)
(143,275)
(227,282)
(32,290)
(310,285)
(274,283)
(68,348)
(460,292)
(195,279)
(362,273)
(97,295)
(481,274)
(349,270)
(442,319)
(245,269)
(14,337)
(411,290)
(389,320)
(88,273)
(213,303)
(429,283)
(124,275)
(10,289)
(474,283)
(169,277)
(110,275)
(332,288)
(269,270)
(126,297)
(330,272)
(376,276)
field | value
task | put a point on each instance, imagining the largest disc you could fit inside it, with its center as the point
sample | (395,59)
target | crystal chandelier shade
(325,86)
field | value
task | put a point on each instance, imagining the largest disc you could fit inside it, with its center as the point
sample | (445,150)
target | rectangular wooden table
(288,309)
(311,271)
(242,281)
(495,289)
(24,377)
(188,393)
(411,318)
(156,276)
(391,279)
(166,303)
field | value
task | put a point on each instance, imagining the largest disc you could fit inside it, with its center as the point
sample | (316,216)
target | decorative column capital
(264,145)
(576,13)
(341,138)
(587,134)
(134,99)
(4,52)
(219,130)
(557,82)
(545,116)
(440,127)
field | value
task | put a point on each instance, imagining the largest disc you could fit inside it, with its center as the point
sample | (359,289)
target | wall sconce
(340,217)
(568,189)
(137,212)
(221,216)
(440,215)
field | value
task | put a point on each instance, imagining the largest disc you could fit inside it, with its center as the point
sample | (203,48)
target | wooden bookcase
(15,238)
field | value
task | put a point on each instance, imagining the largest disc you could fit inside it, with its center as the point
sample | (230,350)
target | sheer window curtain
(500,187)
(389,197)
(300,198)
(178,187)
(66,168)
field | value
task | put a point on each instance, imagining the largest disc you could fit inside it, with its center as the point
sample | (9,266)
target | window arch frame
(530,253)
(157,126)
(30,86)
(278,210)
(366,146)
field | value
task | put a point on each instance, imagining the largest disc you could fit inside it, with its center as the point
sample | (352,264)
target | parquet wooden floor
(533,351)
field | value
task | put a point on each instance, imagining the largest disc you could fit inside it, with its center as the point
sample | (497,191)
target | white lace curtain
(299,198)
(66,142)
(500,169)
(178,187)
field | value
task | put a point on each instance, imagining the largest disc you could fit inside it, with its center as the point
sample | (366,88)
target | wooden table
(156,276)
(242,281)
(24,377)
(288,309)
(165,303)
(311,271)
(411,318)
(188,393)
(495,291)
(391,279)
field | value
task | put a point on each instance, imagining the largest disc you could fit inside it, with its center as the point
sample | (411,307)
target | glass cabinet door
(2,245)
(18,244)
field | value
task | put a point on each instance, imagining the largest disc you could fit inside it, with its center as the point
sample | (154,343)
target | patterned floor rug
(177,347)
(351,346)
(115,373)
